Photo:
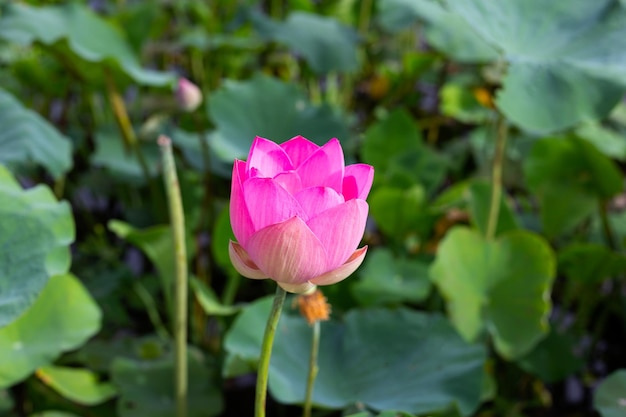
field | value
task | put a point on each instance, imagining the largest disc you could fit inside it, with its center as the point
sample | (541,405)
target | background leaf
(499,286)
(31,138)
(88,36)
(79,385)
(63,318)
(609,398)
(324,42)
(35,231)
(451,374)
(147,387)
(271,109)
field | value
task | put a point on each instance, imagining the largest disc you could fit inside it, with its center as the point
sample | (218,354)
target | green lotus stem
(123,122)
(364,16)
(496,177)
(266,352)
(313,369)
(177,221)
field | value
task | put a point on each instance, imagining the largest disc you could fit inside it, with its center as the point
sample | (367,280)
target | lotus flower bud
(188,95)
(298,213)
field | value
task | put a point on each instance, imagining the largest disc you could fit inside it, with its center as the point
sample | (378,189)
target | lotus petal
(315,200)
(242,262)
(357,181)
(344,271)
(239,217)
(299,149)
(288,252)
(268,158)
(340,230)
(269,203)
(324,168)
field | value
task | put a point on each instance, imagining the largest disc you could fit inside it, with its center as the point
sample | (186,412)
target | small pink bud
(188,95)
(298,213)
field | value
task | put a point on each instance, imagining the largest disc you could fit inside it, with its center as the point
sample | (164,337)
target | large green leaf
(63,318)
(566,61)
(325,43)
(76,384)
(388,279)
(570,176)
(35,231)
(394,146)
(269,108)
(147,387)
(554,358)
(445,30)
(28,137)
(432,367)
(499,286)
(610,397)
(89,36)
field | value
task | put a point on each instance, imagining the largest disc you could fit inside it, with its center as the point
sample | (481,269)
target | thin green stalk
(177,221)
(232,285)
(126,128)
(609,236)
(313,369)
(496,177)
(364,16)
(266,352)
(153,312)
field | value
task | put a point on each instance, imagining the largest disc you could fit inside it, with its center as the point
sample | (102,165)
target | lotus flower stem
(177,220)
(496,177)
(313,369)
(266,352)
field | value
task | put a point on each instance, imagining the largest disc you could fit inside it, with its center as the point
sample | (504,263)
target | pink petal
(288,252)
(357,181)
(340,230)
(268,203)
(239,217)
(315,200)
(344,271)
(299,149)
(268,158)
(304,288)
(324,168)
(290,181)
(242,262)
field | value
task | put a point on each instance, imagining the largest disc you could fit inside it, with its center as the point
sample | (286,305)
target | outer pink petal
(288,252)
(299,149)
(269,203)
(340,230)
(315,200)
(239,216)
(344,271)
(242,262)
(268,158)
(324,168)
(357,181)
(304,288)
(290,181)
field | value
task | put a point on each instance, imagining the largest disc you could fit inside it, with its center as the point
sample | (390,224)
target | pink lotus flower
(298,213)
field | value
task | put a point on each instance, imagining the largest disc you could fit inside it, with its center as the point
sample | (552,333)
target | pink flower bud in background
(298,213)
(188,95)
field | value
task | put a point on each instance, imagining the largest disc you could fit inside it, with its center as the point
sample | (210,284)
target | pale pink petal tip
(303,289)
(344,271)
(242,262)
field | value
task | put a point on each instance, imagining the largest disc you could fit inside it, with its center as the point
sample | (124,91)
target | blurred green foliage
(495,279)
